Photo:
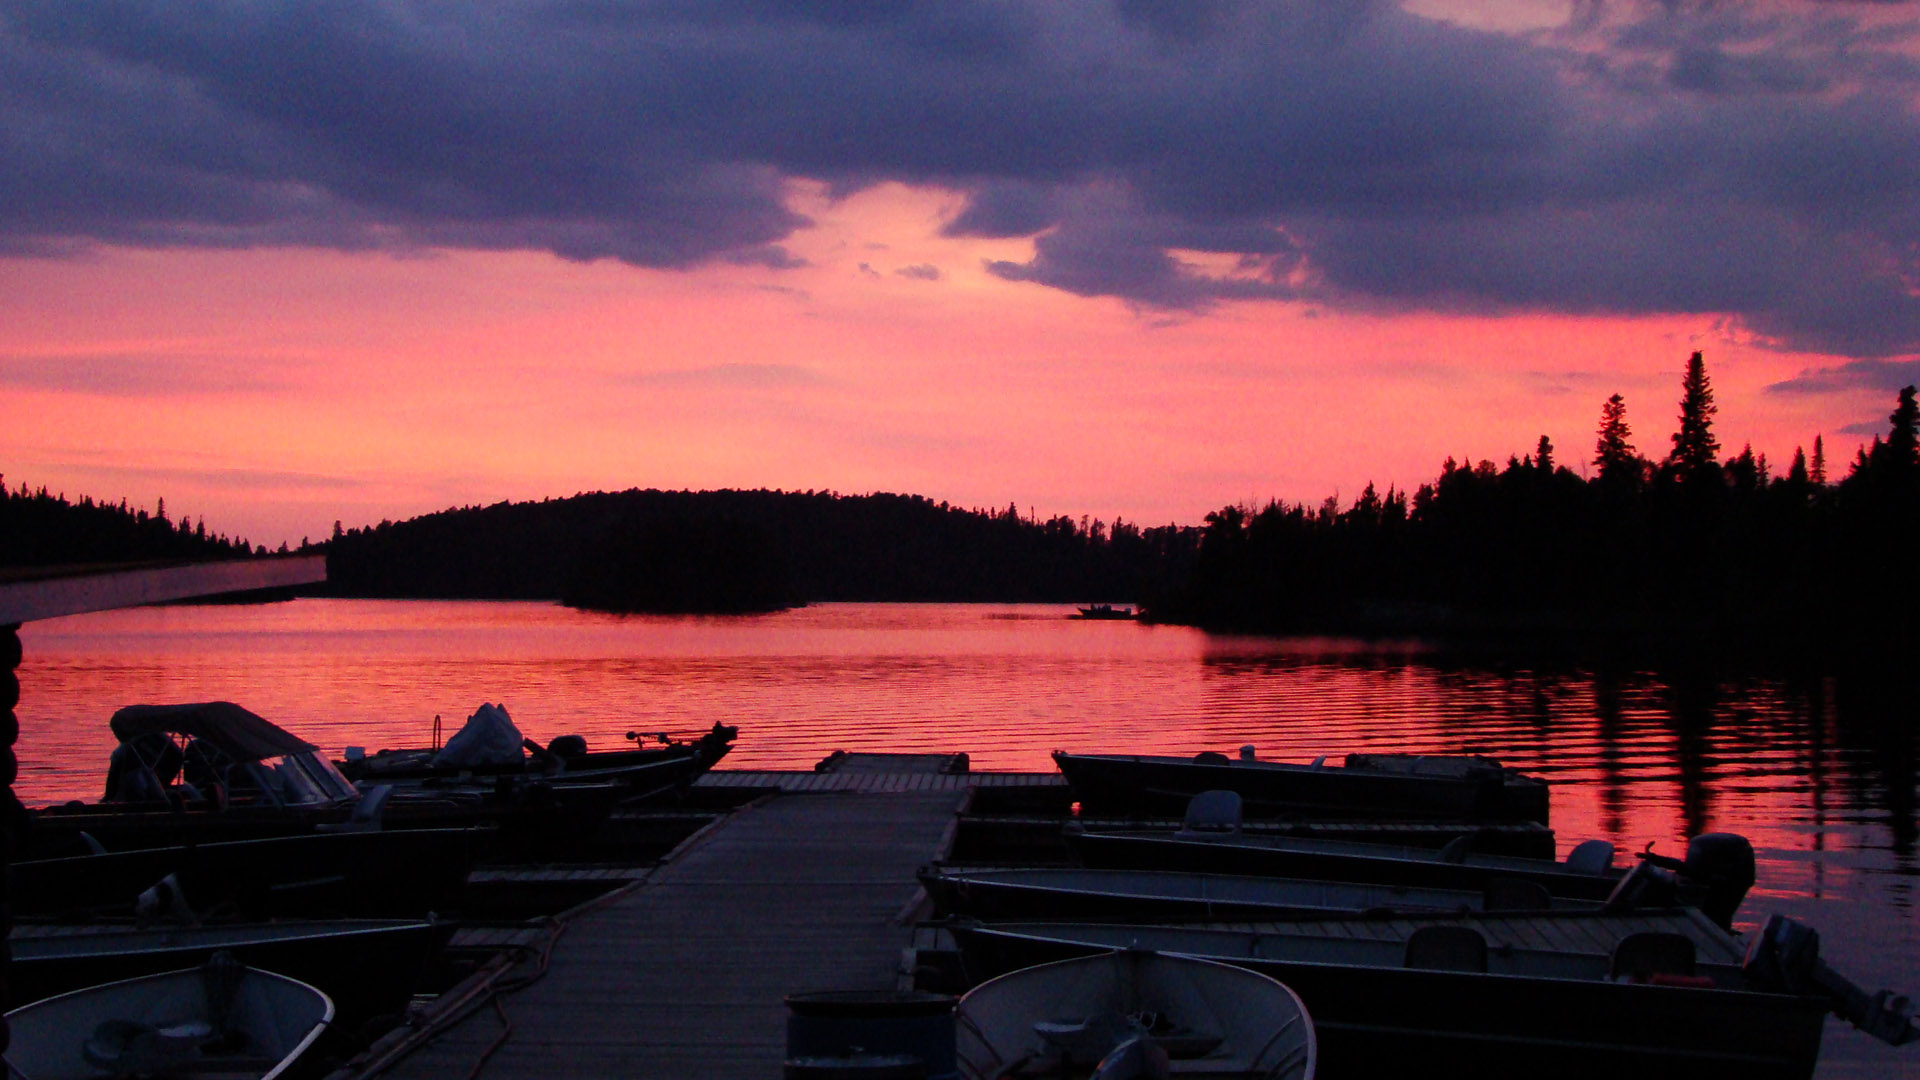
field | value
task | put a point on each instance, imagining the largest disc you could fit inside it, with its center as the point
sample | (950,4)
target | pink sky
(274,387)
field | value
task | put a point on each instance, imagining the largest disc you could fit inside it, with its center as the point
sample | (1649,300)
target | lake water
(1818,771)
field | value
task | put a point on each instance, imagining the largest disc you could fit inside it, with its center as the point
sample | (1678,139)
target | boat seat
(1446,948)
(1515,894)
(1590,857)
(1211,813)
(367,813)
(1456,849)
(1643,956)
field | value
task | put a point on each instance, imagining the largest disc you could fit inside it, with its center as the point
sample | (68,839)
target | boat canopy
(241,735)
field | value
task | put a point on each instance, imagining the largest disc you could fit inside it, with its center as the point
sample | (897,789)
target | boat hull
(368,967)
(275,1018)
(401,872)
(1257,1027)
(1154,785)
(1385,1021)
(1171,896)
(1322,861)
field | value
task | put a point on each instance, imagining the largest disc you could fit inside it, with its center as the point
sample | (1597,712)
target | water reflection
(1819,770)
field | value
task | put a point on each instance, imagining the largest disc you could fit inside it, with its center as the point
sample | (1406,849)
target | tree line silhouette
(38,528)
(723,551)
(1688,549)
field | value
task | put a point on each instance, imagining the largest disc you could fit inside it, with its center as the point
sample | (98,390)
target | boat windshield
(302,779)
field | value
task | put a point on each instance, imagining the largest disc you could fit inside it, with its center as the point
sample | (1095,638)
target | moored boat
(564,759)
(368,966)
(363,873)
(222,1018)
(213,771)
(1647,995)
(1719,867)
(1204,1018)
(1367,785)
(1157,895)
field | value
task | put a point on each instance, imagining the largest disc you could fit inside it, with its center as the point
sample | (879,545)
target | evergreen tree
(1695,451)
(1902,449)
(1614,454)
(1797,472)
(1543,456)
(1817,470)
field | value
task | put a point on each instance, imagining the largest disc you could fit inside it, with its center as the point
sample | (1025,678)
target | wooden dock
(684,974)
(856,779)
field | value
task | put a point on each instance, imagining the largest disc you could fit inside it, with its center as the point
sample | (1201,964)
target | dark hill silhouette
(878,547)
(676,566)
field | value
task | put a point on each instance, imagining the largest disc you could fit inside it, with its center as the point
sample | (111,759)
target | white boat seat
(1446,948)
(1590,857)
(1211,813)
(367,813)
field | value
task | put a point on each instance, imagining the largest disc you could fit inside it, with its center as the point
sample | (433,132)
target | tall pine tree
(1695,451)
(1613,453)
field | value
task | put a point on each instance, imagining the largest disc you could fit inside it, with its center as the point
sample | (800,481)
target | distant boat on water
(1107,611)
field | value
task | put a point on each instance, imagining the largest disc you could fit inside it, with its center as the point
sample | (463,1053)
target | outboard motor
(1721,863)
(1785,958)
(1720,866)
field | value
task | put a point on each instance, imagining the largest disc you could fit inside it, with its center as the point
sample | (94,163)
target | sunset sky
(284,264)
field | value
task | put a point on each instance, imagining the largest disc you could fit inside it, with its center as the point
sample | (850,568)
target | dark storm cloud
(1763,161)
(1883,375)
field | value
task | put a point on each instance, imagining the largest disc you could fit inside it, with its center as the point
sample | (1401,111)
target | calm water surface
(1818,772)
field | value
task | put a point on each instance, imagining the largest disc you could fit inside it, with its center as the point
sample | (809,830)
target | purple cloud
(1758,160)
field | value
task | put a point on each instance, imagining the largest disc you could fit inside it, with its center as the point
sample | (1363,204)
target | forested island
(1684,549)
(744,551)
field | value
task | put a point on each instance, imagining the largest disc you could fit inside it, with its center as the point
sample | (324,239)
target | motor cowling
(1722,864)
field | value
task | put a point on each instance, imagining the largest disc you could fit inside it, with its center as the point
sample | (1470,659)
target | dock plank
(685,975)
(809,781)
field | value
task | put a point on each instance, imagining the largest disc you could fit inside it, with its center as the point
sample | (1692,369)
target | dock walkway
(685,974)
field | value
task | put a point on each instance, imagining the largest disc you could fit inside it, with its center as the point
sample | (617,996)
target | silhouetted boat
(364,873)
(214,771)
(1172,896)
(368,966)
(1368,785)
(647,770)
(1038,837)
(1648,995)
(1106,611)
(1207,1019)
(1716,874)
(220,1019)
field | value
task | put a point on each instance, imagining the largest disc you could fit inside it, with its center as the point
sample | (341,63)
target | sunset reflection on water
(1818,771)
